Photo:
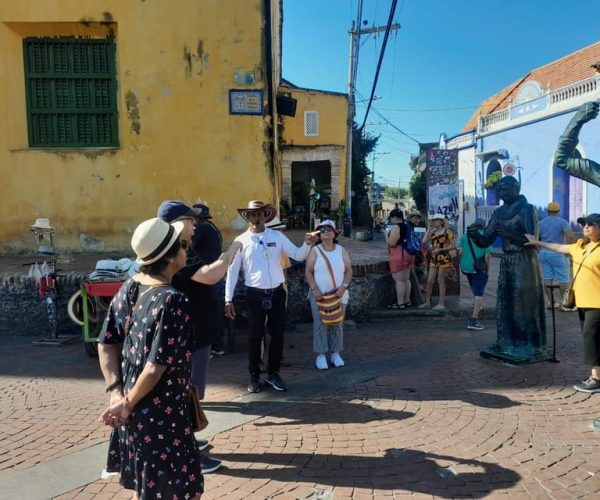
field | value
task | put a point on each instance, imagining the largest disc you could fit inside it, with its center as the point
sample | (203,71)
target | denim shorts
(555,266)
(477,281)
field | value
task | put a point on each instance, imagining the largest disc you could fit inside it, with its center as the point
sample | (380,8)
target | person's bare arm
(215,272)
(555,247)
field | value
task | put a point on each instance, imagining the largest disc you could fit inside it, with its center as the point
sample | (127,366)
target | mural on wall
(442,182)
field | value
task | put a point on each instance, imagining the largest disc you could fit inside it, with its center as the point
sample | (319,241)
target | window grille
(70,87)
(311,123)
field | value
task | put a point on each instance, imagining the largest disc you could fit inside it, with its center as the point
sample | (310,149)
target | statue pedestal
(491,353)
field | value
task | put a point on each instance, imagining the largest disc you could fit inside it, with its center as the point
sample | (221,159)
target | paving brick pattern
(441,422)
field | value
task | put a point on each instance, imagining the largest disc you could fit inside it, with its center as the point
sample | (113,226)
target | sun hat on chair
(153,238)
(258,206)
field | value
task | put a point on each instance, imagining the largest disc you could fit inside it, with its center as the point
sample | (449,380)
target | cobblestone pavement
(415,413)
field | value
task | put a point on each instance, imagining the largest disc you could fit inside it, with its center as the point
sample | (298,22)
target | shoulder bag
(330,307)
(479,263)
(568,300)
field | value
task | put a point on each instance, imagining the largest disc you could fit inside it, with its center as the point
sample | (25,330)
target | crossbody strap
(581,264)
(328,267)
(471,247)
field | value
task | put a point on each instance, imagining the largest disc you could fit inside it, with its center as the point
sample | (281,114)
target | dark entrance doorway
(302,173)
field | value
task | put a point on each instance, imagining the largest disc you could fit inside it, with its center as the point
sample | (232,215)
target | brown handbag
(330,307)
(197,415)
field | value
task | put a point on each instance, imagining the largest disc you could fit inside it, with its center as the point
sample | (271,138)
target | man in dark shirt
(207,245)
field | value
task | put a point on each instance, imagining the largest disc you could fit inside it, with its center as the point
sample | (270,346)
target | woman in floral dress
(441,243)
(145,351)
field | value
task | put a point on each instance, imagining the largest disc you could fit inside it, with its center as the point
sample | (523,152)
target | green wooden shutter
(70,87)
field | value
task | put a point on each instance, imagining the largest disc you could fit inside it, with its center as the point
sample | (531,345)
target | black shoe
(202,444)
(589,385)
(254,385)
(276,383)
(217,352)
(208,464)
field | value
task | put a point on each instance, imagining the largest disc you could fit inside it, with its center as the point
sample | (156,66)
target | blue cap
(171,210)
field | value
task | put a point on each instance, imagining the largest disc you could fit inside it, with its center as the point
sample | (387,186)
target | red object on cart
(102,288)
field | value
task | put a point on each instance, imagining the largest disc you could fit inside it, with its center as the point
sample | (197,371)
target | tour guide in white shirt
(260,260)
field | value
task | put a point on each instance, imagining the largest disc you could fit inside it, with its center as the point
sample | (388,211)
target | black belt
(264,291)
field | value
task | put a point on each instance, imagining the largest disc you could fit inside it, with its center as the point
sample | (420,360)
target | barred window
(70,87)
(311,123)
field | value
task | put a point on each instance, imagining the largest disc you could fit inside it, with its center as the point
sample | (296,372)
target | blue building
(516,132)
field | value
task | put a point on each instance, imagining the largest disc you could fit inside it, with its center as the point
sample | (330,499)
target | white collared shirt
(260,259)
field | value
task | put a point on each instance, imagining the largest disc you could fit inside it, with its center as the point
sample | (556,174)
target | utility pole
(354,33)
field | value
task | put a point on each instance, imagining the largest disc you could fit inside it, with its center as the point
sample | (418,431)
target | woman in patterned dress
(440,241)
(145,351)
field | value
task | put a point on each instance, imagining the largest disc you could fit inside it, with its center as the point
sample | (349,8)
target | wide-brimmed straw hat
(276,224)
(439,217)
(414,212)
(258,206)
(153,238)
(328,223)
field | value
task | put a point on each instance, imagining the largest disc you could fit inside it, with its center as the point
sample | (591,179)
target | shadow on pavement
(310,412)
(410,470)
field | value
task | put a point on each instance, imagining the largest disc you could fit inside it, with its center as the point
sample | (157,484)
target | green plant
(492,179)
(341,210)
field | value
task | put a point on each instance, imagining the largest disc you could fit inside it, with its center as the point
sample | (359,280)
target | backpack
(413,241)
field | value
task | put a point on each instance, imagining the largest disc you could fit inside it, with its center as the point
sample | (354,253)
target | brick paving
(416,413)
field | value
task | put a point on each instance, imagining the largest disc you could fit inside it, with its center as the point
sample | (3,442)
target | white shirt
(321,272)
(260,259)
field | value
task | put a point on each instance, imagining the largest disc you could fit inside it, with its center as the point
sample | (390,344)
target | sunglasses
(184,244)
(326,229)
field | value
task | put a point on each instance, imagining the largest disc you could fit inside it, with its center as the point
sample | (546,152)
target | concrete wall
(176,62)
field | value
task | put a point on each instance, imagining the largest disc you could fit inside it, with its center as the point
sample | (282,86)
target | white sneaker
(321,362)
(337,360)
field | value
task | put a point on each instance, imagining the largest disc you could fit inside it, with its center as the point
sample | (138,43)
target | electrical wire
(380,62)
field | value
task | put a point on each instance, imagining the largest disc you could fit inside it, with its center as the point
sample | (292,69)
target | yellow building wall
(175,63)
(333,111)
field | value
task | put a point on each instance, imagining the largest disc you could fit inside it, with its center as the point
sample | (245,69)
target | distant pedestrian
(470,253)
(555,266)
(401,262)
(441,245)
(586,287)
(328,270)
(260,260)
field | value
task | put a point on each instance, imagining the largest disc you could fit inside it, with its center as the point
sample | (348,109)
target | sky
(447,57)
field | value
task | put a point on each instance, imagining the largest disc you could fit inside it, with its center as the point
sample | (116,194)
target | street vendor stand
(91,293)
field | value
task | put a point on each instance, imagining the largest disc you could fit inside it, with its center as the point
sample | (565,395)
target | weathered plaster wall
(332,109)
(175,64)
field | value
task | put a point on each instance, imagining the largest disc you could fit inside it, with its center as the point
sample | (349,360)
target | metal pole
(350,121)
(553,359)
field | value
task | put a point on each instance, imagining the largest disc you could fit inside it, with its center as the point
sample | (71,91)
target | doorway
(302,174)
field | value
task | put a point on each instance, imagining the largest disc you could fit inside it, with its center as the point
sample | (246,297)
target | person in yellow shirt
(586,286)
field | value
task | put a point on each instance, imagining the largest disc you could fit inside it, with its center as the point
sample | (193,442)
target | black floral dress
(156,452)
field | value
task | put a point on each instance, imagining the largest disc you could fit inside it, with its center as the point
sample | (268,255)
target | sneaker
(202,444)
(321,362)
(589,385)
(217,352)
(337,360)
(209,465)
(566,309)
(254,384)
(276,383)
(439,307)
(474,324)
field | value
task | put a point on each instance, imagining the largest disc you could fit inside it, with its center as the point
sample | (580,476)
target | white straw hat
(153,238)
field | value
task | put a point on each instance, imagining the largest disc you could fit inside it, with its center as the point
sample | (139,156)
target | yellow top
(587,284)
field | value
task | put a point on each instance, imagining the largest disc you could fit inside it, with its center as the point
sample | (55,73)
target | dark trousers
(590,327)
(258,316)
(218,292)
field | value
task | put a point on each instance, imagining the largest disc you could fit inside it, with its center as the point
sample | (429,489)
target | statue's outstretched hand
(587,112)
